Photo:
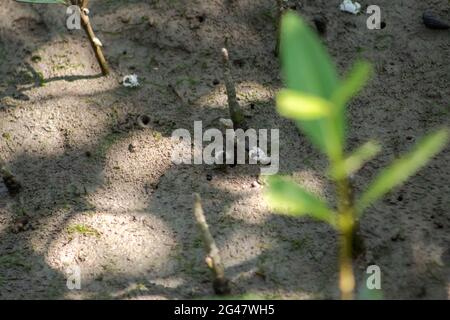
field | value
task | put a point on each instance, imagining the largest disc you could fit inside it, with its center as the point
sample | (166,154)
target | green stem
(346,226)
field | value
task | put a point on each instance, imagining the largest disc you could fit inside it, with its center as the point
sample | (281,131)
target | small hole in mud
(239,63)
(216,82)
(409,138)
(201,19)
(124,52)
(143,121)
(252,106)
(209,177)
(383,25)
(400,198)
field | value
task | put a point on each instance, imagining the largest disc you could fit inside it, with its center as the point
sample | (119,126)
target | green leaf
(403,168)
(43,1)
(356,160)
(298,106)
(308,69)
(306,65)
(289,198)
(353,83)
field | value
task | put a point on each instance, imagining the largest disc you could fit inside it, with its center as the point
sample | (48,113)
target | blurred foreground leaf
(356,160)
(403,168)
(289,198)
(308,69)
(294,105)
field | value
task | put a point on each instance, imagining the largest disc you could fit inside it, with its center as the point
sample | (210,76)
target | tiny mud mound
(101,193)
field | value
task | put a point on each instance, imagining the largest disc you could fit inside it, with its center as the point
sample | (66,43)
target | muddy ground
(102,194)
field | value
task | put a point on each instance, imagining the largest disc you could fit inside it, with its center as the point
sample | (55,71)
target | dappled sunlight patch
(427,256)
(247,92)
(132,169)
(105,246)
(251,247)
(311,181)
(46,131)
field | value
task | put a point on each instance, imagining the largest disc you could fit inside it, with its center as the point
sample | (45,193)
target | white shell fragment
(130,81)
(350,6)
(227,123)
(97,42)
(258,154)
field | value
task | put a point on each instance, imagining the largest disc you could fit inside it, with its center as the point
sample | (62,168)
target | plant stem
(236,113)
(213,260)
(278,23)
(86,24)
(346,227)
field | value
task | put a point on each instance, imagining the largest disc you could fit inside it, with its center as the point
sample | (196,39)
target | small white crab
(350,6)
(227,123)
(258,154)
(130,81)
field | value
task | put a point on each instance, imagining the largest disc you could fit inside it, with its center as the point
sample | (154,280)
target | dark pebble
(432,22)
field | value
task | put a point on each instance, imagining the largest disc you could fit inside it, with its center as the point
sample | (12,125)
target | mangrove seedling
(85,23)
(316,99)
(221,285)
(236,113)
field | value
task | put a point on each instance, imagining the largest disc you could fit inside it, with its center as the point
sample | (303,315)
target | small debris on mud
(11,183)
(321,24)
(21,224)
(255,184)
(131,148)
(432,22)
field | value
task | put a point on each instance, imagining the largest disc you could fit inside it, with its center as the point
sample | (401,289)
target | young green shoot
(316,99)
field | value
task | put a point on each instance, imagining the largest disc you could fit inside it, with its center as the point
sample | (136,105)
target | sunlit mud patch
(311,181)
(247,92)
(112,249)
(133,168)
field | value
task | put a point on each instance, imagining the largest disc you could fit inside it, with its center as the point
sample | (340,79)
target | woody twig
(236,113)
(220,283)
(95,42)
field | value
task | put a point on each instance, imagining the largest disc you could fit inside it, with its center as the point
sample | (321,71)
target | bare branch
(236,113)
(213,260)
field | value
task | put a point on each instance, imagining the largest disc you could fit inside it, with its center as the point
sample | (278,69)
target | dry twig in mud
(236,113)
(278,25)
(95,42)
(220,283)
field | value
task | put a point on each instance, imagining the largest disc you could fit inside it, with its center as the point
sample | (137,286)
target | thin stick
(236,113)
(213,260)
(279,16)
(96,46)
